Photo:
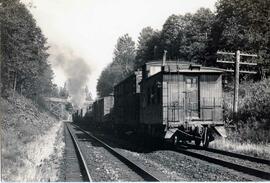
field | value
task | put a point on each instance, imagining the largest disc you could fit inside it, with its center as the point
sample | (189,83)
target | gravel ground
(157,169)
(104,166)
(174,166)
(195,169)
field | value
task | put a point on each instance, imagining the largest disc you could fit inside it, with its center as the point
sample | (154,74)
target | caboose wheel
(197,134)
(205,137)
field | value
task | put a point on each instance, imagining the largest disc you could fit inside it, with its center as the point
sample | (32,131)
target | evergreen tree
(148,46)
(24,65)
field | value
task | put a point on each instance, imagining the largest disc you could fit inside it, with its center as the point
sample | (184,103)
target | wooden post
(236,71)
(236,84)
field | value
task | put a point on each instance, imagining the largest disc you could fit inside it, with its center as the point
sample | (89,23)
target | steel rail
(136,168)
(232,154)
(244,169)
(80,155)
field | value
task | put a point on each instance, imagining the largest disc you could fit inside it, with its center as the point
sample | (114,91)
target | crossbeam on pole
(232,62)
(225,53)
(248,55)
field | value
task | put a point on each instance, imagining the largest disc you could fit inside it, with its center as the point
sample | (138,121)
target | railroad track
(146,176)
(83,164)
(228,164)
(232,154)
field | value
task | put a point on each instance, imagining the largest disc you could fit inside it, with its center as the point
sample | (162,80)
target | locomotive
(172,100)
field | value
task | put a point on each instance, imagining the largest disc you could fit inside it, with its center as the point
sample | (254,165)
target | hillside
(32,142)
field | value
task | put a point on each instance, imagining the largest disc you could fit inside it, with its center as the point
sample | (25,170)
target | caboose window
(192,97)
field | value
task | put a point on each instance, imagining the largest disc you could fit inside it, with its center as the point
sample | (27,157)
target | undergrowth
(28,137)
(253,124)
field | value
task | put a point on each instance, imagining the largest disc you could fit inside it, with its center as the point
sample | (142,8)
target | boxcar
(127,103)
(102,109)
(181,101)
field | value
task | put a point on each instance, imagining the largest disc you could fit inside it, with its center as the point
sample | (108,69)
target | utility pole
(237,71)
(236,83)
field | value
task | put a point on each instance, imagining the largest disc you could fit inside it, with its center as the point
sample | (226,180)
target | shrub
(253,124)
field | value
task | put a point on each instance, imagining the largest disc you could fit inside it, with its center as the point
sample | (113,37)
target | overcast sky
(90,28)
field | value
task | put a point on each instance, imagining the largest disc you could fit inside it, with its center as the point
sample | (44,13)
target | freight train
(172,100)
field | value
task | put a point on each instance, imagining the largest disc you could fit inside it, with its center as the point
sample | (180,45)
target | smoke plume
(76,70)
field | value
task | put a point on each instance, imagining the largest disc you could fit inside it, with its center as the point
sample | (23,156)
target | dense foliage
(243,25)
(253,114)
(123,64)
(24,66)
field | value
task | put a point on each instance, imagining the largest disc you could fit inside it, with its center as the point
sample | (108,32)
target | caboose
(181,101)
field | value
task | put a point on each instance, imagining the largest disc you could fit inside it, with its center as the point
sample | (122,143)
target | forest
(24,65)
(25,68)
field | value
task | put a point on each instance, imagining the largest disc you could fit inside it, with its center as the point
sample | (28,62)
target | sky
(87,30)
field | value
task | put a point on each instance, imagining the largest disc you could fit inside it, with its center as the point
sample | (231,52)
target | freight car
(127,103)
(102,110)
(173,101)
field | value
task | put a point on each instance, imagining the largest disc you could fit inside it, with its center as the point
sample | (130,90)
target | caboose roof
(153,67)
(184,66)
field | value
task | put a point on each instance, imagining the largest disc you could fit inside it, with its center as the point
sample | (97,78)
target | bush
(253,123)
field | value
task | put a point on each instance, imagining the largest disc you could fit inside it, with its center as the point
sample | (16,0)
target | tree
(193,45)
(148,46)
(243,25)
(23,51)
(124,54)
(169,35)
(122,65)
(109,77)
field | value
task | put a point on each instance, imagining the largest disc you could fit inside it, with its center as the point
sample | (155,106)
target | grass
(251,149)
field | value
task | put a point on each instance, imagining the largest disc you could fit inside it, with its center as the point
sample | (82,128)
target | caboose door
(191,97)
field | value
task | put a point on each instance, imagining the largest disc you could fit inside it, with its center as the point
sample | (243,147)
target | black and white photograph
(135,90)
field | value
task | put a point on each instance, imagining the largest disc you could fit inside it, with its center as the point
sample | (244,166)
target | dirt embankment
(32,142)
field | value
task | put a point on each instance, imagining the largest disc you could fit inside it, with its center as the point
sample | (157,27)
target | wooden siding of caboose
(209,98)
(173,89)
(211,102)
(151,101)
